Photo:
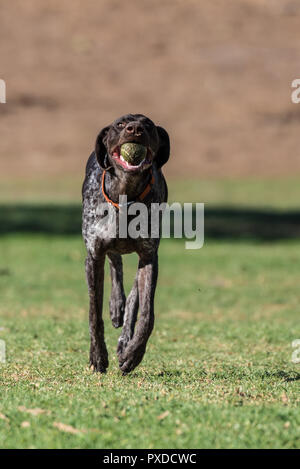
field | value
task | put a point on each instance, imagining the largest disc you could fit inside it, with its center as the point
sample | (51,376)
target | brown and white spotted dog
(109,176)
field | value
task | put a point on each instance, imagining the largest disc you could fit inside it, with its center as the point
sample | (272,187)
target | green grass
(247,192)
(218,365)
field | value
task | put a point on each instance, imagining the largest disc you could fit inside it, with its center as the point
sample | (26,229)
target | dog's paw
(131,358)
(98,363)
(117,310)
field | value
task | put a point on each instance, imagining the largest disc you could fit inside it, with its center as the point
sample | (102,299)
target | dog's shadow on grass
(288,376)
(165,375)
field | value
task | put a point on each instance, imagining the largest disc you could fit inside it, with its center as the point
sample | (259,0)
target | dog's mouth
(138,159)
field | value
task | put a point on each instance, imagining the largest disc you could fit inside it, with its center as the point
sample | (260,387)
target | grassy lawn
(217,372)
(272,193)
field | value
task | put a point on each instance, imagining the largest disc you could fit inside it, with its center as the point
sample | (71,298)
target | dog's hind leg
(130,317)
(95,278)
(117,298)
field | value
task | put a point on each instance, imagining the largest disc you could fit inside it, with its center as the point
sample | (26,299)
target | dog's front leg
(95,279)
(135,350)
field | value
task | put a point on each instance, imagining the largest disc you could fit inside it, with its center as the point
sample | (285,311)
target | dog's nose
(134,128)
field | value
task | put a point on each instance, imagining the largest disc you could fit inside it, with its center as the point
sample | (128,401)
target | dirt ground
(217,75)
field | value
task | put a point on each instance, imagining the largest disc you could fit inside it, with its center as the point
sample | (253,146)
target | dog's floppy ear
(100,148)
(163,152)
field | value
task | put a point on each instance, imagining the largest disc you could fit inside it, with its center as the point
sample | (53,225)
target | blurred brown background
(217,75)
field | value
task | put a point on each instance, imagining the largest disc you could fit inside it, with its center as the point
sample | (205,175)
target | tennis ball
(133,153)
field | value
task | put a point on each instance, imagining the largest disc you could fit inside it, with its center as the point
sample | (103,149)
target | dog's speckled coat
(101,241)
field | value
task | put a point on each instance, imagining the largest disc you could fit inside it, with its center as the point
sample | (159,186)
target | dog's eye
(121,125)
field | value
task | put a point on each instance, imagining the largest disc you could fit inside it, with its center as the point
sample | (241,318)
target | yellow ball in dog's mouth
(133,153)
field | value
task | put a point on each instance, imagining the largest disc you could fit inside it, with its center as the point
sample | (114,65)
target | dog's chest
(102,221)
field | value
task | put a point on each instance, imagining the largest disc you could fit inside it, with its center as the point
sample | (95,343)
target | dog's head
(132,128)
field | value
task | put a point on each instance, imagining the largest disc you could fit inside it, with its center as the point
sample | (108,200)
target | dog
(108,176)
